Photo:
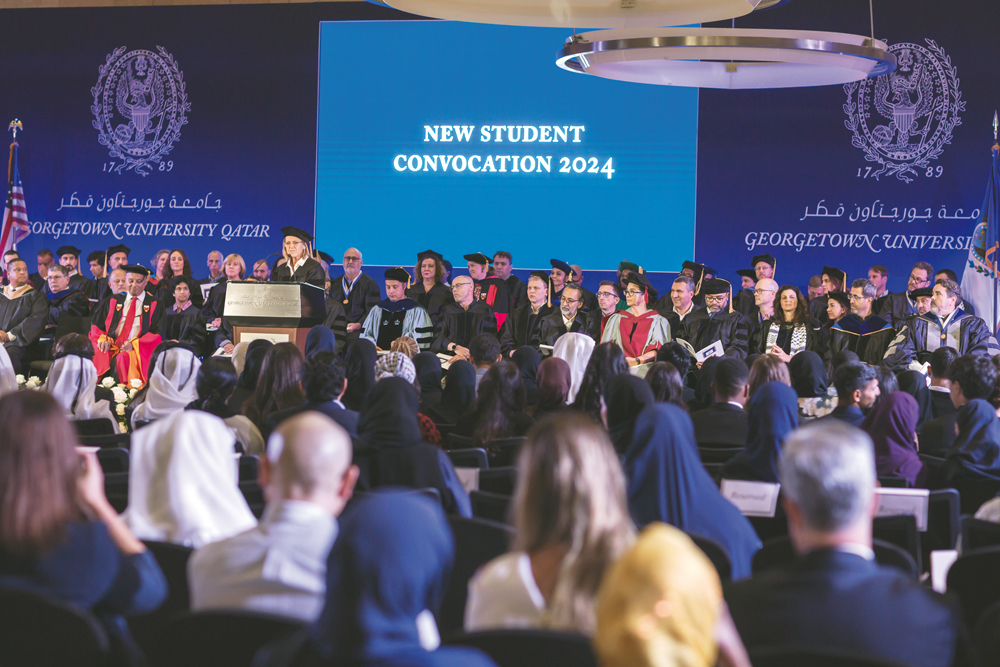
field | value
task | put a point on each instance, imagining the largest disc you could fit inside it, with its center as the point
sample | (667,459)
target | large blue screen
(467,138)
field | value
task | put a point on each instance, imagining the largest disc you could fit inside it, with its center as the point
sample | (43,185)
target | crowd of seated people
(613,450)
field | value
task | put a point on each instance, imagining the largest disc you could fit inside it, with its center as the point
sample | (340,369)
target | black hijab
(459,394)
(428,367)
(977,447)
(252,362)
(667,482)
(773,413)
(527,361)
(626,396)
(389,415)
(360,361)
(808,374)
(914,383)
(703,393)
(320,339)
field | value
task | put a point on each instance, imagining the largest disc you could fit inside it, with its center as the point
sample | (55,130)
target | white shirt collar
(943,390)
(686,312)
(568,322)
(739,405)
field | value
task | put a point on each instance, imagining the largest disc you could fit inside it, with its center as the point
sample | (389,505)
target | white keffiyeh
(71,381)
(171,385)
(575,349)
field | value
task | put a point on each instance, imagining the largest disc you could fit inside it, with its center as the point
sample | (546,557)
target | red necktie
(129,321)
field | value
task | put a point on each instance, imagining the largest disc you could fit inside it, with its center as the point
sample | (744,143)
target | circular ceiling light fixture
(726,57)
(583,13)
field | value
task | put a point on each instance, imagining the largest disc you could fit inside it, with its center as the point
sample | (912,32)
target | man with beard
(861,332)
(723,324)
(523,325)
(764,295)
(946,325)
(69,257)
(897,307)
(568,319)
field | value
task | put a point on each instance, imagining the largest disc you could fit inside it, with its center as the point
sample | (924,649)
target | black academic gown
(433,301)
(817,309)
(910,342)
(102,290)
(364,295)
(187,326)
(165,295)
(552,326)
(310,272)
(518,291)
(336,321)
(744,302)
(36,281)
(589,300)
(815,339)
(522,328)
(896,308)
(732,329)
(460,326)
(216,302)
(23,317)
(85,285)
(493,291)
(690,328)
(70,302)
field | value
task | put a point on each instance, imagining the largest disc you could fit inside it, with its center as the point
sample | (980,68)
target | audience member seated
(428,367)
(215,384)
(677,355)
(406,345)
(500,410)
(527,360)
(459,394)
(72,380)
(665,382)
(914,383)
(247,382)
(887,383)
(397,364)
(939,364)
(893,428)
(172,383)
(857,388)
(59,536)
(359,359)
(768,368)
(667,482)
(571,523)
(554,381)
(575,349)
(183,321)
(626,395)
(661,604)
(976,452)
(703,395)
(182,481)
(835,596)
(808,374)
(392,451)
(8,378)
(385,577)
(838,359)
(324,381)
(607,361)
(969,377)
(772,415)
(484,351)
(724,423)
(279,386)
(279,567)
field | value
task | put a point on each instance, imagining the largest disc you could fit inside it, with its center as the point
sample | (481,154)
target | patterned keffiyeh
(395,364)
(799,335)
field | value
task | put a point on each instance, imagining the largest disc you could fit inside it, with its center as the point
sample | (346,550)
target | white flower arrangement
(120,409)
(33,383)
(108,382)
(136,384)
(20,380)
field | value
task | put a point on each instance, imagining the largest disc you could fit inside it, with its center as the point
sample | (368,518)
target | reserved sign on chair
(897,502)
(751,498)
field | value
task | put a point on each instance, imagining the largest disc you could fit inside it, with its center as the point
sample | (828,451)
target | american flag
(15,217)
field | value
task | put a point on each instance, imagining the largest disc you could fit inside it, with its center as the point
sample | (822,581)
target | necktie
(129,322)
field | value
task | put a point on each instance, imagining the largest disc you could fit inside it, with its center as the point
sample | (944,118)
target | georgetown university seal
(139,107)
(903,120)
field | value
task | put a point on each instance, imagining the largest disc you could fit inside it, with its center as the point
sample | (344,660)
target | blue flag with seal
(979,282)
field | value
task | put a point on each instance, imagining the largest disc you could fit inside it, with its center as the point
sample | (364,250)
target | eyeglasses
(632,292)
(716,298)
(918,279)
(457,286)
(569,301)
(351,258)
(855,297)
(761,291)
(607,295)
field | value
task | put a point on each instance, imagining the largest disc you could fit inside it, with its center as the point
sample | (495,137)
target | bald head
(309,457)
(765,292)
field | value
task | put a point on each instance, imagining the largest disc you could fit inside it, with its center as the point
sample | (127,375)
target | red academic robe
(495,293)
(634,331)
(135,363)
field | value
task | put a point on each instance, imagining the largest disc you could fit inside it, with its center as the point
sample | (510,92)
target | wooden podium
(279,312)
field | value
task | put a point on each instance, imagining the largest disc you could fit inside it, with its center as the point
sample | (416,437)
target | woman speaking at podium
(299,266)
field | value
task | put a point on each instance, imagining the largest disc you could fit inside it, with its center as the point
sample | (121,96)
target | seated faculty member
(23,310)
(397,315)
(523,324)
(356,291)
(64,298)
(723,324)
(125,329)
(835,596)
(279,566)
(897,307)
(429,289)
(862,332)
(489,288)
(638,331)
(463,320)
(569,318)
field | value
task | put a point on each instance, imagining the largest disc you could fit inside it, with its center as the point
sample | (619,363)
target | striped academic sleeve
(419,325)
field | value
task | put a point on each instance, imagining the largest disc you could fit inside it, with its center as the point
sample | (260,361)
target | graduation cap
(922,291)
(718,286)
(297,233)
(398,273)
(836,274)
(841,298)
(68,250)
(429,254)
(135,268)
(547,279)
(478,258)
(539,274)
(561,265)
(628,266)
(767,259)
(699,271)
(636,278)
(748,273)
(119,248)
(709,271)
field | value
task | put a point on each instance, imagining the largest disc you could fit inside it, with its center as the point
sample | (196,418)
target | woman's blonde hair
(768,368)
(238,258)
(571,492)
(659,604)
(406,345)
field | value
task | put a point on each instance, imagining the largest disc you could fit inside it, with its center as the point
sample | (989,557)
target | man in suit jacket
(324,379)
(834,595)
(724,423)
(970,377)
(857,389)
(940,361)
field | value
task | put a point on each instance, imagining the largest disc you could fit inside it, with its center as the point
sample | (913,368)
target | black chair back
(254,495)
(113,459)
(987,636)
(456,441)
(122,440)
(43,632)
(172,559)
(531,648)
(973,578)
(718,454)
(943,524)
(717,554)
(116,490)
(795,656)
(474,457)
(779,552)
(99,426)
(248,468)
(893,483)
(491,506)
(498,480)
(477,542)
(770,527)
(503,452)
(975,491)
(979,534)
(901,531)
(219,638)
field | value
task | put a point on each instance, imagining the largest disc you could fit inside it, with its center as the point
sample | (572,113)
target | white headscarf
(71,381)
(575,349)
(183,481)
(8,377)
(171,385)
